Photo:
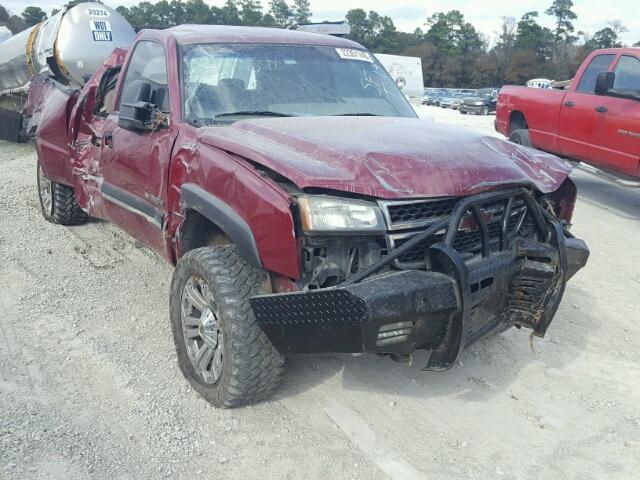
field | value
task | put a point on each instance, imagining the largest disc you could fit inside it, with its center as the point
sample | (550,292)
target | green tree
(531,36)
(359,25)
(488,70)
(375,31)
(229,13)
(251,12)
(177,12)
(268,20)
(561,9)
(301,11)
(33,16)
(432,60)
(637,44)
(507,37)
(197,12)
(281,12)
(524,65)
(452,33)
(605,38)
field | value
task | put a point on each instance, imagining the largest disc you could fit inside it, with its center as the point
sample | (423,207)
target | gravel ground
(90,388)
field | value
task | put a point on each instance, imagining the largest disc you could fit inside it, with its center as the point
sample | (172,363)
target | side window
(627,74)
(149,63)
(106,90)
(598,64)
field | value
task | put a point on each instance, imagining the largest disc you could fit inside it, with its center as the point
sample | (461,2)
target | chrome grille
(414,217)
(416,213)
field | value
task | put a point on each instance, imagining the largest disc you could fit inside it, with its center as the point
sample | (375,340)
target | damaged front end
(445,273)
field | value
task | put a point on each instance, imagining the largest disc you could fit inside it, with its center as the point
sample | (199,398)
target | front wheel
(521,137)
(485,111)
(58,202)
(222,352)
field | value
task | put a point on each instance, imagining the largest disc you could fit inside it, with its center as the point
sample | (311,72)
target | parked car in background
(597,120)
(483,102)
(452,101)
(433,98)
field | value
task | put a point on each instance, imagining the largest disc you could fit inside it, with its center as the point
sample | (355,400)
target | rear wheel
(463,112)
(58,202)
(222,352)
(521,137)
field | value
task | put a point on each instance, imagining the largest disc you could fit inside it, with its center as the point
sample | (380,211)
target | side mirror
(136,111)
(604,82)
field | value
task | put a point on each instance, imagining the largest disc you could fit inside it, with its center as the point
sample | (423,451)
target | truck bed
(542,107)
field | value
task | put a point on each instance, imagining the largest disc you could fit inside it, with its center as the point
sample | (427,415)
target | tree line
(453,52)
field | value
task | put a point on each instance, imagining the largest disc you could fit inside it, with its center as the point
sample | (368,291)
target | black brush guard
(443,309)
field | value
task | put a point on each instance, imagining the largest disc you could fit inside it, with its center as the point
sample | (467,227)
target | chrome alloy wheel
(201,329)
(46,192)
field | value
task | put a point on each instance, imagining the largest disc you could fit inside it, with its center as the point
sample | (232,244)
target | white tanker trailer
(67,47)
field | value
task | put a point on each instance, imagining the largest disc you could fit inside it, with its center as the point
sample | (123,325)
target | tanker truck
(64,51)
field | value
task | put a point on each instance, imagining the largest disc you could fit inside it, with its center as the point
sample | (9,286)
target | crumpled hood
(386,157)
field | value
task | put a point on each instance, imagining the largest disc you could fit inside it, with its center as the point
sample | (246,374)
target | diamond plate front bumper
(442,310)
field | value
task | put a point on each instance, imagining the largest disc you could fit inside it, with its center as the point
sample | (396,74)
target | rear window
(599,64)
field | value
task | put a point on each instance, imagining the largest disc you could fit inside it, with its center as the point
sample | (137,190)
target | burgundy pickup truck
(305,206)
(597,120)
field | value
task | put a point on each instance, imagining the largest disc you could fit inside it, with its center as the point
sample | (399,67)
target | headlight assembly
(320,214)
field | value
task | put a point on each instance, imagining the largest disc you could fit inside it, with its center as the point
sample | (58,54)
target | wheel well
(198,231)
(517,121)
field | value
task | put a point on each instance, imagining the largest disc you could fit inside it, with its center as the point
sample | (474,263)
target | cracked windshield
(227,81)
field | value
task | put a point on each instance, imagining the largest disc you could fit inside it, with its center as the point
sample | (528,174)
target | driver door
(616,142)
(135,162)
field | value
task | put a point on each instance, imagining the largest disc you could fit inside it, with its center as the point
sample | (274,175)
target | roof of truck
(186,34)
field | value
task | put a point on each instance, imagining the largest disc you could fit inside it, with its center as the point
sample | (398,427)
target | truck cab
(597,120)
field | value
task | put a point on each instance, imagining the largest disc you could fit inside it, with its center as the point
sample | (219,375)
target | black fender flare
(224,217)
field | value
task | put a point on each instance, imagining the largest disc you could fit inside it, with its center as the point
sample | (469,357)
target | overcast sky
(409,14)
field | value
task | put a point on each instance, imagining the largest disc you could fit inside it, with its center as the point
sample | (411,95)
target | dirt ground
(90,387)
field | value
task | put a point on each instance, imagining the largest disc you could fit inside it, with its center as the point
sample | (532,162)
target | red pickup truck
(305,206)
(597,120)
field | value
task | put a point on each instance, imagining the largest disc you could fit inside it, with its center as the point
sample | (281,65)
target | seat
(232,93)
(203,103)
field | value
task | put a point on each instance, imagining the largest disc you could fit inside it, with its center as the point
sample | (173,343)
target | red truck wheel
(521,137)
(58,202)
(222,352)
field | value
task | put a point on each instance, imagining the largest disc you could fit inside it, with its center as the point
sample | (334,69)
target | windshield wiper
(257,113)
(359,114)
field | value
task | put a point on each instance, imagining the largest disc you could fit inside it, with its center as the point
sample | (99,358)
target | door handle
(602,109)
(107,140)
(569,104)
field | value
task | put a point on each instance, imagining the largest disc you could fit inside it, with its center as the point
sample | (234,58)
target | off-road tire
(252,366)
(521,137)
(63,208)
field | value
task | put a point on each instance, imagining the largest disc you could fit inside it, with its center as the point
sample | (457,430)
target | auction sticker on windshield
(353,54)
